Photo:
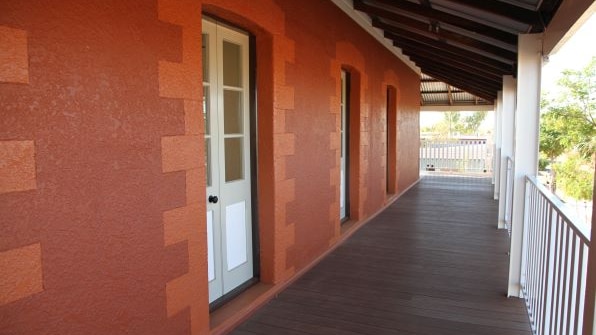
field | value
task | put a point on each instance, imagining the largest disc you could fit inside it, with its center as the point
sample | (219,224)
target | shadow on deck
(432,263)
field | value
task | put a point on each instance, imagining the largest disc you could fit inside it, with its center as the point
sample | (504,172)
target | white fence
(457,155)
(554,264)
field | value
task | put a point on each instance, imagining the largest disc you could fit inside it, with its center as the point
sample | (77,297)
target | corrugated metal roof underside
(434,92)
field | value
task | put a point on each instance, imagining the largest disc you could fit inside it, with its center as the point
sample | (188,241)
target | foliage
(473,122)
(552,135)
(543,163)
(454,123)
(568,131)
(569,122)
(575,178)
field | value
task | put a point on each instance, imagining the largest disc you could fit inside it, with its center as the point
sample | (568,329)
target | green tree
(570,118)
(568,128)
(455,123)
(452,119)
(575,178)
(472,123)
(552,132)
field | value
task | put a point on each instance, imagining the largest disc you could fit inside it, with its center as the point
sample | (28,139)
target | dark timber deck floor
(432,263)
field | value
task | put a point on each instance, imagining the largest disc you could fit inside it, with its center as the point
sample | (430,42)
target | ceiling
(436,95)
(467,44)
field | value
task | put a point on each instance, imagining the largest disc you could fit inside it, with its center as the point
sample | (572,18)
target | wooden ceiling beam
(489,87)
(547,11)
(459,64)
(432,14)
(488,96)
(462,77)
(409,49)
(437,32)
(442,47)
(470,88)
(519,14)
(443,92)
(489,83)
(479,46)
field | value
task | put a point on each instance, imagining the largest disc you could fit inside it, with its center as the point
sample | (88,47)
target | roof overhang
(568,19)
(366,23)
(467,44)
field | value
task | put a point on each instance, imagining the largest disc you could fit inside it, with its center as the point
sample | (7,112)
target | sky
(574,54)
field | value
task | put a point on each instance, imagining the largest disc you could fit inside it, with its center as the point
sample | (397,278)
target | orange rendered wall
(102,203)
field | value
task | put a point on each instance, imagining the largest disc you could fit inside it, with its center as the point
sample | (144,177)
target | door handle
(213,199)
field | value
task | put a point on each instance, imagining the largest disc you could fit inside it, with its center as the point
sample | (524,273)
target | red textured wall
(102,208)
(92,110)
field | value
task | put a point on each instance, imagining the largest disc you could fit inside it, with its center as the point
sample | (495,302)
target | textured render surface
(21,273)
(17,166)
(14,60)
(325,41)
(92,118)
(188,293)
(114,157)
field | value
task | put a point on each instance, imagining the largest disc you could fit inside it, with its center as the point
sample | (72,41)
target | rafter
(432,14)
(488,96)
(489,86)
(409,49)
(440,59)
(426,63)
(406,22)
(503,9)
(444,92)
(547,10)
(417,28)
(438,46)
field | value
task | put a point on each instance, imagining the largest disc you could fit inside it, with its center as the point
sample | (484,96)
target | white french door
(227,150)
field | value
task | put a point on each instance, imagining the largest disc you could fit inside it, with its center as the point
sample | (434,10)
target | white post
(497,144)
(525,161)
(507,136)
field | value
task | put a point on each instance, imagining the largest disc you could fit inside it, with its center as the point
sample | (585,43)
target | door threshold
(221,301)
(239,308)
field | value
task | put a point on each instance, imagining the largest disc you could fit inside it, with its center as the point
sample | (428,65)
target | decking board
(432,263)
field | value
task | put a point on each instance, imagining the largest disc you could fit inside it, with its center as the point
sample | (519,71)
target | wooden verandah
(431,263)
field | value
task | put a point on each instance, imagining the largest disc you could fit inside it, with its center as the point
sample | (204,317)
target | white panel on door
(210,241)
(236,234)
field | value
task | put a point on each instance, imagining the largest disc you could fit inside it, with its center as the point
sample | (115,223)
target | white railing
(554,265)
(459,155)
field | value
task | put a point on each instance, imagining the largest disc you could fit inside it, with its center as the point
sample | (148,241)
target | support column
(497,147)
(525,159)
(507,136)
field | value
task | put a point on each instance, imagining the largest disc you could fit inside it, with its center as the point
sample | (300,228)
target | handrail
(561,208)
(554,263)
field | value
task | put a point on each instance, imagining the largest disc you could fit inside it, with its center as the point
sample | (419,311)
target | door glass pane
(205,58)
(208,160)
(234,159)
(232,66)
(232,112)
(206,112)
